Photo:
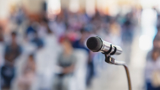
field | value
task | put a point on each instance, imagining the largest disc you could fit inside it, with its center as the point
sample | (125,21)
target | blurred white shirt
(151,67)
(46,61)
(1,54)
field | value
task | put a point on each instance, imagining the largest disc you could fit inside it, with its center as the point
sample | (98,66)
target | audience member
(66,61)
(152,71)
(27,78)
(12,52)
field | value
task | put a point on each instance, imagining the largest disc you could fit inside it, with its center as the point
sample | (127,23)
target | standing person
(12,52)
(80,44)
(152,71)
(46,58)
(66,61)
(1,50)
(1,45)
(156,44)
(1,34)
(37,41)
(27,78)
(127,35)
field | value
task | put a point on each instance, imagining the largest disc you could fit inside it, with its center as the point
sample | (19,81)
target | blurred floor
(114,78)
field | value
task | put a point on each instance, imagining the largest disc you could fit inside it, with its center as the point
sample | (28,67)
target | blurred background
(42,44)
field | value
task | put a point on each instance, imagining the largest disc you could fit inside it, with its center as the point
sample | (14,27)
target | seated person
(66,61)
(152,71)
(28,75)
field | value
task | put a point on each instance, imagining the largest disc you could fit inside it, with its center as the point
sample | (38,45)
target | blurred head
(155,54)
(158,31)
(66,42)
(84,34)
(1,34)
(31,57)
(14,36)
(156,42)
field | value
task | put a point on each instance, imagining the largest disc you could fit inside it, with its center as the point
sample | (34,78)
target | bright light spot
(90,7)
(74,6)
(103,6)
(54,7)
(4,9)
(145,42)
(149,3)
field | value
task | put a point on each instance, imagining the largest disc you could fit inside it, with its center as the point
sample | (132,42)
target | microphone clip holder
(111,60)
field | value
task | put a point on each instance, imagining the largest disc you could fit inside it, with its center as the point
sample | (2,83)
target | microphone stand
(111,60)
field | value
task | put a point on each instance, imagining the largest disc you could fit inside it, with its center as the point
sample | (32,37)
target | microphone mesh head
(94,44)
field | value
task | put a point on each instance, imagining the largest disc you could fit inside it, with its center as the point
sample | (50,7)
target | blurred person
(27,77)
(17,15)
(1,45)
(127,35)
(58,26)
(37,41)
(158,31)
(80,72)
(127,29)
(156,44)
(80,44)
(152,71)
(114,32)
(12,52)
(43,27)
(66,61)
(46,55)
(30,30)
(28,48)
(1,34)
(51,41)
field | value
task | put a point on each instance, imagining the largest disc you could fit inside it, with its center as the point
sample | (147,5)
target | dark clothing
(30,29)
(90,73)
(127,36)
(38,42)
(62,80)
(77,44)
(8,70)
(1,38)
(66,61)
(11,53)
(90,65)
(150,87)
(7,74)
(127,32)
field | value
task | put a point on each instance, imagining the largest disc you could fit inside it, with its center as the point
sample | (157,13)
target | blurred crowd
(49,53)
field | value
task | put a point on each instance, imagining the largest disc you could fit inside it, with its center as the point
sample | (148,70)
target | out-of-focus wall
(111,7)
(33,6)
(5,7)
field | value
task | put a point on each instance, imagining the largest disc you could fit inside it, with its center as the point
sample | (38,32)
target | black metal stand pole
(111,60)
(128,77)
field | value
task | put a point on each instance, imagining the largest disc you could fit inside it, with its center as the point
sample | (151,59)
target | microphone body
(96,44)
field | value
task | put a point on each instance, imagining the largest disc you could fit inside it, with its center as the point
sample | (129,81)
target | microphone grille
(94,43)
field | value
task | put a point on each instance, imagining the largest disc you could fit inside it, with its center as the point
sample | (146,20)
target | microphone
(96,44)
